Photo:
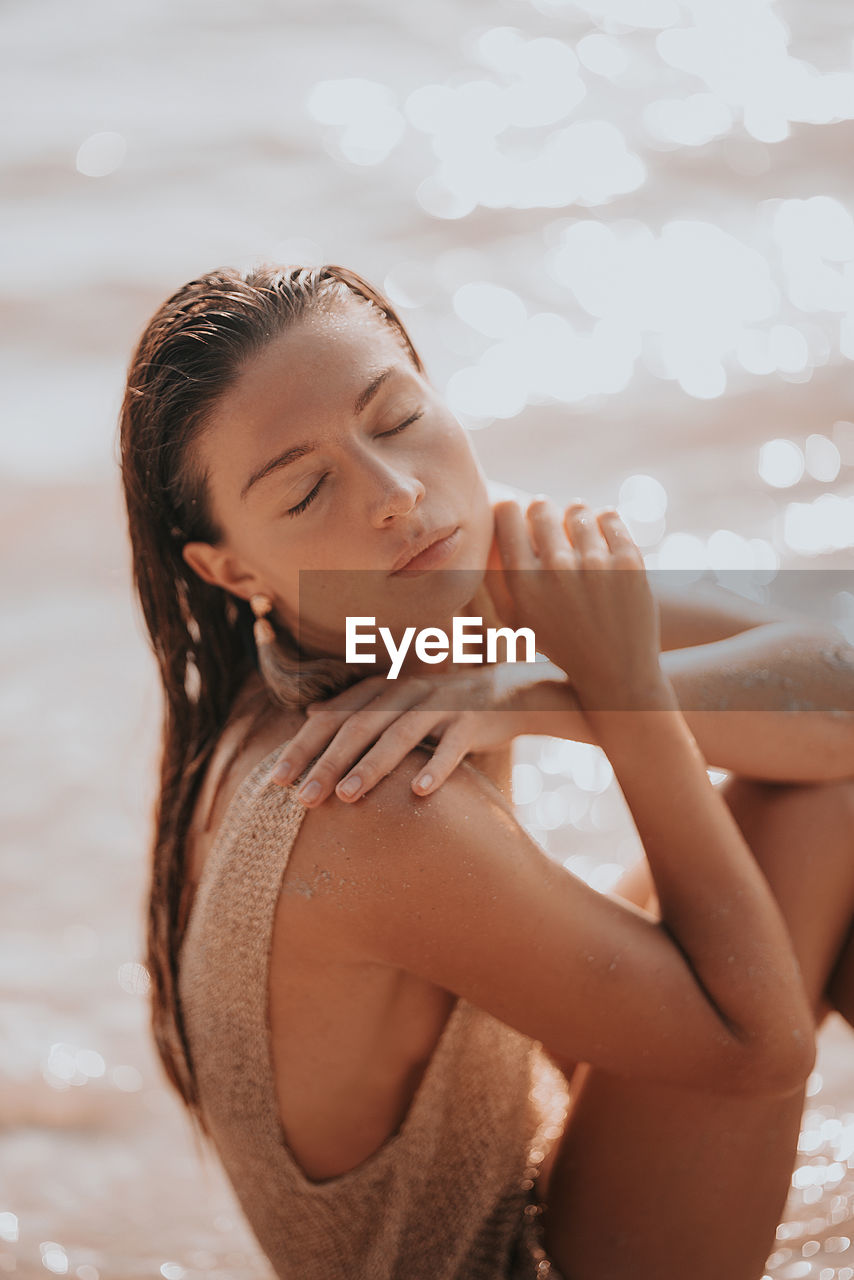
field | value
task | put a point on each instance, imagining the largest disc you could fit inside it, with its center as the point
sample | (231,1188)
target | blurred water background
(621,234)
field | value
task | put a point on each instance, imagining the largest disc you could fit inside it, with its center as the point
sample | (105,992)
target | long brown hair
(191,351)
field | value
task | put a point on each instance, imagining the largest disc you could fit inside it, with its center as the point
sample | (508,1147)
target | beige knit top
(451,1195)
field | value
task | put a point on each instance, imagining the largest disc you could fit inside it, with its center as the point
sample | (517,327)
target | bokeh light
(622,233)
(101,154)
(368,123)
(781,463)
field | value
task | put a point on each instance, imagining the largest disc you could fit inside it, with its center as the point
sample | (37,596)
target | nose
(394,493)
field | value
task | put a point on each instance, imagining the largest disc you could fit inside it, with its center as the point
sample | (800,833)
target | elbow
(790,1073)
(778,1069)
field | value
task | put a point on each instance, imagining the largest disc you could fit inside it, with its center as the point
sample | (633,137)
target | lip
(433,550)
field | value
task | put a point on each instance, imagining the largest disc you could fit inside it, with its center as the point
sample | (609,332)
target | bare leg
(665,1184)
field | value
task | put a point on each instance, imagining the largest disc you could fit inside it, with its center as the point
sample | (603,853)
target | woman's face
(331,462)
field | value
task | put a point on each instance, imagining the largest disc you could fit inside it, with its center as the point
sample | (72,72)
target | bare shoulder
(446,888)
(360,858)
(359,870)
(452,890)
(389,828)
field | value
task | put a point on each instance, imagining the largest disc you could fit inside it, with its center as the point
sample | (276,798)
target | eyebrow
(297,451)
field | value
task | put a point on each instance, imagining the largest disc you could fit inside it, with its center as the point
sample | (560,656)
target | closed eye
(408,423)
(310,497)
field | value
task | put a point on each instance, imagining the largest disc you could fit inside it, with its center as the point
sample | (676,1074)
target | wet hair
(190,353)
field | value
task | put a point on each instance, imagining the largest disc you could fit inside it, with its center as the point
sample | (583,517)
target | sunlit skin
(631,1128)
(373,485)
(386,477)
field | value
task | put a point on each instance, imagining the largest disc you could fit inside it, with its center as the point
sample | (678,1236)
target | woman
(365,1006)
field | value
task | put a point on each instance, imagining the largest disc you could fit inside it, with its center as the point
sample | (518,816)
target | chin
(432,597)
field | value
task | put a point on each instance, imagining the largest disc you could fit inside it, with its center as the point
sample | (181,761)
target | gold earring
(290,681)
(262,630)
(278,669)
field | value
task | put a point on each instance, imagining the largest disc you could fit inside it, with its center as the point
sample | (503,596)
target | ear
(221,568)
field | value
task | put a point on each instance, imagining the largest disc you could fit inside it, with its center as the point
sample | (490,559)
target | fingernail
(350,786)
(425,781)
(310,791)
(283,771)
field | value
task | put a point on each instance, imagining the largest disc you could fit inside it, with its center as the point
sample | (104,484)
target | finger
(512,537)
(547,531)
(584,533)
(615,530)
(359,732)
(321,726)
(616,533)
(453,747)
(392,747)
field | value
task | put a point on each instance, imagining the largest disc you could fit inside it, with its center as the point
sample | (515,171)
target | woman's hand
(604,633)
(580,583)
(369,728)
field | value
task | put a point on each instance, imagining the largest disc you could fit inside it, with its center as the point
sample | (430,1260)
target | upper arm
(451,888)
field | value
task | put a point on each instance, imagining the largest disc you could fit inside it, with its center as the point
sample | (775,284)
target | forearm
(775,703)
(747,701)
